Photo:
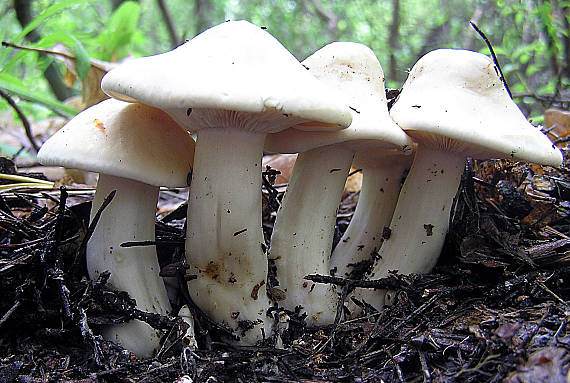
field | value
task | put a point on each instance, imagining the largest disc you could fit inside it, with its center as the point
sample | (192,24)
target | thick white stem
(129,217)
(303,233)
(421,218)
(376,203)
(224,240)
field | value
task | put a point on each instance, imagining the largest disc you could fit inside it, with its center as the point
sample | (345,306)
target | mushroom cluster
(242,93)
(232,85)
(454,105)
(302,237)
(135,149)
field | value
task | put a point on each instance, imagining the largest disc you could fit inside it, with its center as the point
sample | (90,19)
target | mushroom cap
(126,140)
(354,70)
(455,100)
(234,66)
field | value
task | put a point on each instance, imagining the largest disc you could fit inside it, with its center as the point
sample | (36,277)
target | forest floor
(494,309)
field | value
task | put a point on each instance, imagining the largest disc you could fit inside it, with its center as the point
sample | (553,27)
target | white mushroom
(135,148)
(232,84)
(303,233)
(454,105)
(382,174)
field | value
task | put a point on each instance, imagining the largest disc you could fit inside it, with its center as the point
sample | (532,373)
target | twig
(25,122)
(18,245)
(425,369)
(415,313)
(545,288)
(93,223)
(19,178)
(197,311)
(354,172)
(104,66)
(169,23)
(151,243)
(89,337)
(347,288)
(484,37)
(395,363)
(9,312)
(388,283)
(57,273)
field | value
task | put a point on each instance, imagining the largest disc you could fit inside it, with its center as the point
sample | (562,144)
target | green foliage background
(530,36)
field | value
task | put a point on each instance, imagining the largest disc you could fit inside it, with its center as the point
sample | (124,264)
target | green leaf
(10,150)
(47,13)
(498,50)
(16,86)
(73,44)
(532,69)
(120,30)
(48,41)
(82,62)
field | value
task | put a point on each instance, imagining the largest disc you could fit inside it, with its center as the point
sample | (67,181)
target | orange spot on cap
(99,125)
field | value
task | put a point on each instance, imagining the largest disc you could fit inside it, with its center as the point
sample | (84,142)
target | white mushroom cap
(454,99)
(233,66)
(354,70)
(125,140)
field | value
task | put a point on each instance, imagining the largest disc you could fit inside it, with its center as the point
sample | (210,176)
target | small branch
(169,23)
(484,37)
(57,273)
(329,17)
(545,98)
(388,283)
(101,65)
(9,312)
(25,122)
(93,223)
(8,44)
(151,243)
(394,40)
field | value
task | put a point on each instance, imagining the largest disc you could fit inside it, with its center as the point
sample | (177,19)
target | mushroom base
(421,218)
(224,241)
(303,233)
(129,217)
(376,203)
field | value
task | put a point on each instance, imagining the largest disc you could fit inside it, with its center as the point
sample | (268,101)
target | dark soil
(494,309)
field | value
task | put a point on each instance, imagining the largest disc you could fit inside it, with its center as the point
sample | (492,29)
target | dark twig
(346,289)
(93,223)
(89,337)
(151,243)
(22,116)
(18,245)
(57,272)
(354,172)
(9,312)
(425,369)
(412,315)
(495,60)
(197,311)
(388,283)
(169,23)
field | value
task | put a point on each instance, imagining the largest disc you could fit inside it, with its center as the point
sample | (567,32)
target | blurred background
(530,37)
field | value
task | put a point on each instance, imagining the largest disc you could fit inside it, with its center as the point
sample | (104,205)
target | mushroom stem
(376,203)
(303,233)
(421,217)
(224,241)
(129,217)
